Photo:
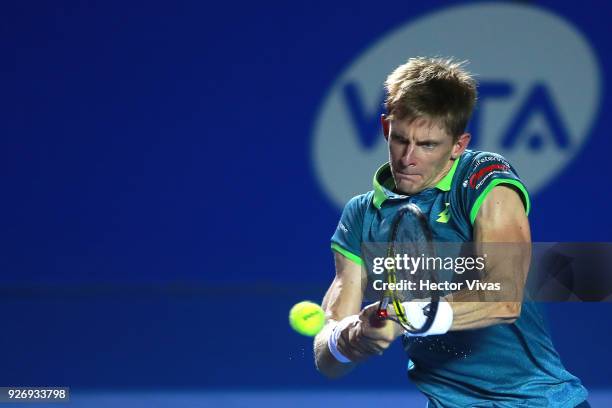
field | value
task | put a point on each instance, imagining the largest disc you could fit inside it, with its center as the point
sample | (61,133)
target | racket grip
(377,320)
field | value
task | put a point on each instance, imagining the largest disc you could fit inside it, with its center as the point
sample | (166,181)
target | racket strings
(400,312)
(391,296)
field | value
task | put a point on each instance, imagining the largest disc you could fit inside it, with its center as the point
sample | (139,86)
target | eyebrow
(420,142)
(397,136)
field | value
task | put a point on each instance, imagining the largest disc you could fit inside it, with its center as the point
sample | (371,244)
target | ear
(460,145)
(385,122)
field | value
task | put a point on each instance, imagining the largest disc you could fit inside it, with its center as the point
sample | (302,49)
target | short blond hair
(437,88)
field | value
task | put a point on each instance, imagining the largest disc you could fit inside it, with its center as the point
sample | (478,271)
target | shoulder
(479,159)
(359,202)
(347,238)
(354,211)
(476,168)
(479,173)
(476,165)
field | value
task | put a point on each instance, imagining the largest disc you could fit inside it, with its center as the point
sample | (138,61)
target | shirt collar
(384,184)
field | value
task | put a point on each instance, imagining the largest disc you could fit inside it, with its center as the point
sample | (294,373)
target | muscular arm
(343,298)
(359,340)
(501,219)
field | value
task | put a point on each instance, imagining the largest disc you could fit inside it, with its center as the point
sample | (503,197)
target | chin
(408,189)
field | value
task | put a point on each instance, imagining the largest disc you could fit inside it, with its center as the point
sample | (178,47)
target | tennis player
(481,354)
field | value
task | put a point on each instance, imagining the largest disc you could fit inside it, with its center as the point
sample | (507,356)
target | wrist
(334,336)
(417,316)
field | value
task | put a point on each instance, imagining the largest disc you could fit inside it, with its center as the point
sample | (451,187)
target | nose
(408,158)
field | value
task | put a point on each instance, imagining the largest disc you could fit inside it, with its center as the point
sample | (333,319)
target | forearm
(499,298)
(342,299)
(476,315)
(502,236)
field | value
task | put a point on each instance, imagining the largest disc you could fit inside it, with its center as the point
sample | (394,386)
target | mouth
(406,176)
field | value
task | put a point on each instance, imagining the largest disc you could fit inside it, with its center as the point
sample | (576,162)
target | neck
(444,172)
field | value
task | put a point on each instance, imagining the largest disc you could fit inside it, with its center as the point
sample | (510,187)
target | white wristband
(417,318)
(332,340)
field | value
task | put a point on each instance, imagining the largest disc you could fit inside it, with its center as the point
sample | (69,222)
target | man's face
(420,153)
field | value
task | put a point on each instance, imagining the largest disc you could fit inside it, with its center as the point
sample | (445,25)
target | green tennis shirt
(504,365)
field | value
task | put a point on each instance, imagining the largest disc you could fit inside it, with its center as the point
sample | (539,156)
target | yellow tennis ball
(307,318)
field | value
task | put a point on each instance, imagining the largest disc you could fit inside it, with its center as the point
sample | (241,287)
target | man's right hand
(367,337)
(360,339)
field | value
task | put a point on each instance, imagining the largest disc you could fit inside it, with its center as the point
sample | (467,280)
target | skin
(421,153)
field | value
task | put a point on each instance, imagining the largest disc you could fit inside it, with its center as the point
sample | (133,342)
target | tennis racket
(410,237)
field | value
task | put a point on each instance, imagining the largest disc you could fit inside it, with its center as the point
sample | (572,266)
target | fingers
(376,321)
(361,339)
(360,345)
(374,346)
(375,329)
(350,346)
(371,312)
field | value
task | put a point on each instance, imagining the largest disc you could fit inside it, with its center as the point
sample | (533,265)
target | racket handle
(378,319)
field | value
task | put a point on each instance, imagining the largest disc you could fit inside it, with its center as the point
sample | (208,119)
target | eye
(399,140)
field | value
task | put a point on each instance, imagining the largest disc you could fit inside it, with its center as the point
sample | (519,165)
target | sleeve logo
(487,171)
(342,227)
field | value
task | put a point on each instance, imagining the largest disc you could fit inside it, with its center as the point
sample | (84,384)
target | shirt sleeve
(347,237)
(486,171)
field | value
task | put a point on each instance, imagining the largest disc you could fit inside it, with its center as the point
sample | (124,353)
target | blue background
(157,185)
